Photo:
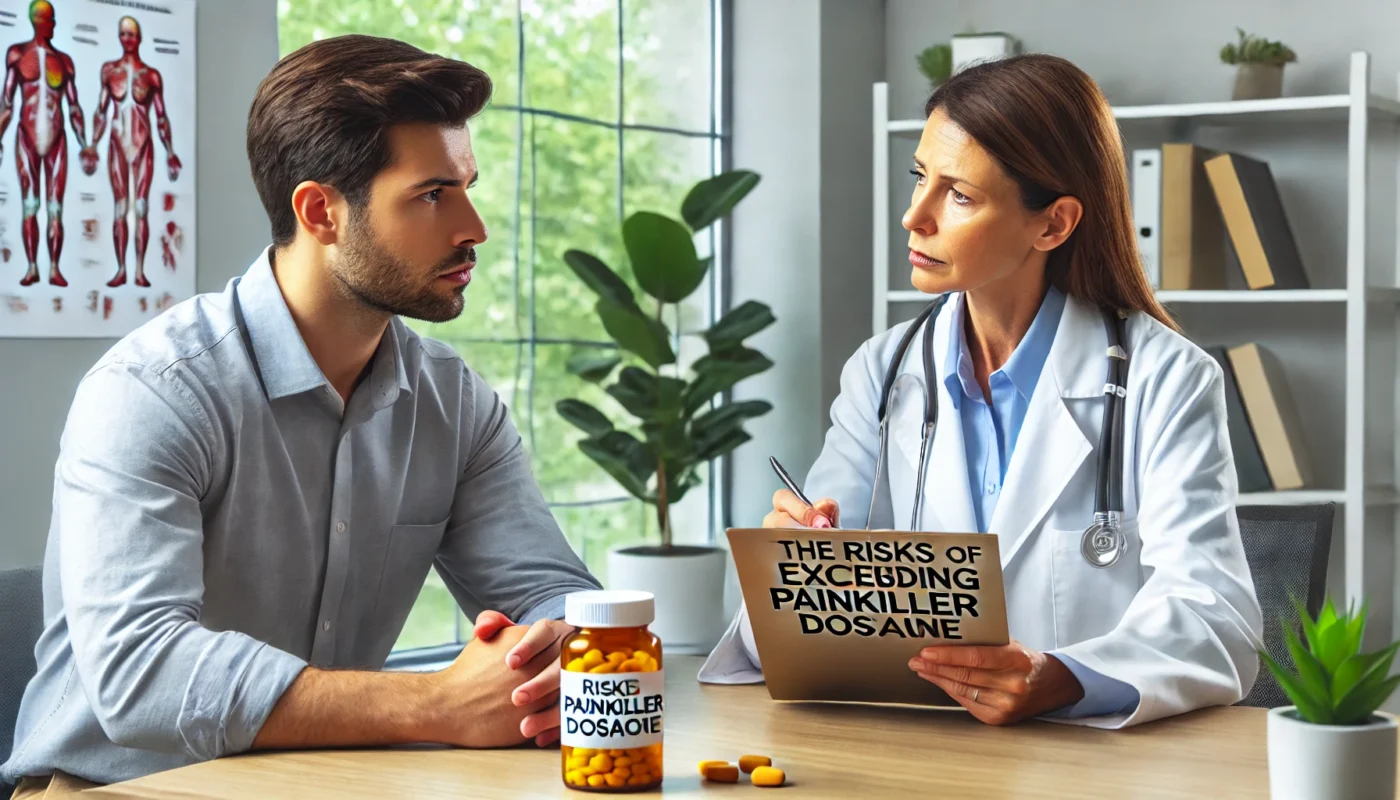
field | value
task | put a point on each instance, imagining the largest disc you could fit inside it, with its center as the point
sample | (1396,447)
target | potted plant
(1332,743)
(936,64)
(1259,70)
(674,430)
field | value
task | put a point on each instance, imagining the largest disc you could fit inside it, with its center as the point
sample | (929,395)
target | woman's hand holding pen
(790,512)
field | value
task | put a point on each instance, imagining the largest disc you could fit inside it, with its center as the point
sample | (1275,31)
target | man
(131,90)
(44,76)
(252,486)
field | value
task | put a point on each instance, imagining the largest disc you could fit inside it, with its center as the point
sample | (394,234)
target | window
(600,108)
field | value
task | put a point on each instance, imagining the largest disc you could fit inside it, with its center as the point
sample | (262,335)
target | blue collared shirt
(990,430)
(215,531)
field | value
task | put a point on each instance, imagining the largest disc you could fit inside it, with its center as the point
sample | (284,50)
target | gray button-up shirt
(221,519)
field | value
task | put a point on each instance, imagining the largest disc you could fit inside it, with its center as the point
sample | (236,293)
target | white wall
(237,45)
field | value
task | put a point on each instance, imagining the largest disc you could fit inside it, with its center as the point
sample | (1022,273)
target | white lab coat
(1176,617)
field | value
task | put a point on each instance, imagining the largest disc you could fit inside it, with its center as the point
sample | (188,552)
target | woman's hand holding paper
(999,685)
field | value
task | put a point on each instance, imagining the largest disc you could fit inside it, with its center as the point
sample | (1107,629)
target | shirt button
(325,626)
(340,527)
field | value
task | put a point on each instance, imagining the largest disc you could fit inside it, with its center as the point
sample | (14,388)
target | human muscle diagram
(131,63)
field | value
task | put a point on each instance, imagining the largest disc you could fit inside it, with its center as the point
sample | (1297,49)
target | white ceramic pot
(689,586)
(1330,762)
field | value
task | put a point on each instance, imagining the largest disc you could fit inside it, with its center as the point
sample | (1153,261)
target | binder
(1147,193)
(1192,231)
(1256,221)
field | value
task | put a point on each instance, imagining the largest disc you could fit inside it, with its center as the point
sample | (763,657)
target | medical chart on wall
(97,134)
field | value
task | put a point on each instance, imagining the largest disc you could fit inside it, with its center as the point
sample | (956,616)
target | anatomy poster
(97,176)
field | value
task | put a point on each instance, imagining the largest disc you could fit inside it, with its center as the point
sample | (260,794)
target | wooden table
(827,750)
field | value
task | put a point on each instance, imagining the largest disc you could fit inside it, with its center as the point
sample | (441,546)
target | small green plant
(656,458)
(1333,683)
(936,63)
(1251,49)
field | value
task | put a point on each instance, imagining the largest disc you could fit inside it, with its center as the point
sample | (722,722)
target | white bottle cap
(609,609)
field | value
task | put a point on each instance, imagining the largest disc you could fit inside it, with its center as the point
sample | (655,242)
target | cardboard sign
(837,614)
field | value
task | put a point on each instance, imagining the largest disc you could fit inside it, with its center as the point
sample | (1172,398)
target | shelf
(1375,496)
(1376,294)
(1334,107)
(1249,296)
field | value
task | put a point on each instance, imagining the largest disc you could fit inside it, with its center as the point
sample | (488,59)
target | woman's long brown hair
(1052,130)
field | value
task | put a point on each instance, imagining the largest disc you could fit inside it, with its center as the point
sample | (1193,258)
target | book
(1249,463)
(1192,231)
(1257,224)
(1278,429)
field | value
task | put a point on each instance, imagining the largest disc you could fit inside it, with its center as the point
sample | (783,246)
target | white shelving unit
(1370,295)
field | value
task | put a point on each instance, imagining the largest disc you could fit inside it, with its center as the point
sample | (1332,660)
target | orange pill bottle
(610,693)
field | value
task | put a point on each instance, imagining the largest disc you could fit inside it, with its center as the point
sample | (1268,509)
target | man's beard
(384,283)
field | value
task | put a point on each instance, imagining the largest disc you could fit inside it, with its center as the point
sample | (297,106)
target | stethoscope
(1103,541)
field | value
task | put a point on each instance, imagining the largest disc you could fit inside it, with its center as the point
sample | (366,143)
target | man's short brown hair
(324,112)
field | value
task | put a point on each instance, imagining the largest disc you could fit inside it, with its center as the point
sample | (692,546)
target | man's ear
(321,211)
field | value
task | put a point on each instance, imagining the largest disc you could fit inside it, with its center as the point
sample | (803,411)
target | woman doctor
(1020,213)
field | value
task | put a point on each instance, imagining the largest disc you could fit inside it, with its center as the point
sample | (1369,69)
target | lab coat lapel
(1051,447)
(947,497)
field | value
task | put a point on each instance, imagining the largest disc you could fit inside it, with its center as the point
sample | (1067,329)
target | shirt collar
(1022,369)
(280,354)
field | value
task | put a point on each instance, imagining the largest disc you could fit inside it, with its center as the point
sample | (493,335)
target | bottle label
(617,710)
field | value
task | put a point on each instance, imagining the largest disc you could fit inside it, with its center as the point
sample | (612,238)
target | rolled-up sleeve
(502,549)
(136,451)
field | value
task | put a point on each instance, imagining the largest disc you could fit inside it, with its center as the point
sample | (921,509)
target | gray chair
(1287,549)
(21,622)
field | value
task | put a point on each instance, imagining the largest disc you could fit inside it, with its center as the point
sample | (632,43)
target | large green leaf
(663,256)
(715,423)
(1313,709)
(592,365)
(624,458)
(598,277)
(637,333)
(584,417)
(646,396)
(715,197)
(1331,648)
(720,371)
(1363,700)
(1358,667)
(679,484)
(667,440)
(724,445)
(1310,671)
(739,324)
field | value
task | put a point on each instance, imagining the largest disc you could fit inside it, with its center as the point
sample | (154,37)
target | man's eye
(433,196)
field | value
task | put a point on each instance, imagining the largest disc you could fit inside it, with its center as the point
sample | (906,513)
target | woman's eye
(960,198)
(919,176)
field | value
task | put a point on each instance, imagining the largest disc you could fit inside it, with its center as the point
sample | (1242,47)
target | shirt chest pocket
(407,560)
(1089,600)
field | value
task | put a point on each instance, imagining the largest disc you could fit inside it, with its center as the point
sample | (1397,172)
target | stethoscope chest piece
(1103,542)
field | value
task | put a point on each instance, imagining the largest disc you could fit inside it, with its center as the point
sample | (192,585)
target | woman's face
(967,226)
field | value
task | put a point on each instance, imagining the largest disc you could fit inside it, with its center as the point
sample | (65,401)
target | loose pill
(768,776)
(750,763)
(725,774)
(704,765)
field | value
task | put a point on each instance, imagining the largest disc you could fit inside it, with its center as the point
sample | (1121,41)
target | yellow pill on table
(596,781)
(768,776)
(593,658)
(576,665)
(704,765)
(748,764)
(725,774)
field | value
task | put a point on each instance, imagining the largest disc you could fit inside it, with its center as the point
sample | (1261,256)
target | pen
(787,479)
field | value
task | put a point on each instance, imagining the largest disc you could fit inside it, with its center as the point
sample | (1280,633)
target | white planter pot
(1330,762)
(970,48)
(689,587)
